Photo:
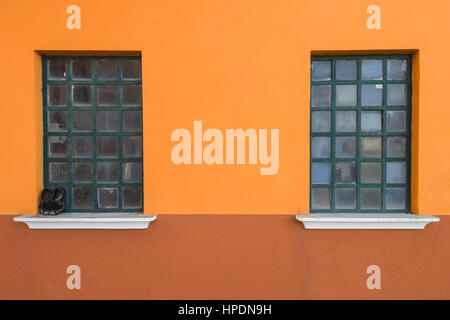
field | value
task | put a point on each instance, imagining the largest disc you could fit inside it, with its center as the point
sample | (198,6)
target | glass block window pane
(320,96)
(93,131)
(82,147)
(345,147)
(81,70)
(58,172)
(372,69)
(107,121)
(360,133)
(346,95)
(108,198)
(108,172)
(321,173)
(320,199)
(57,95)
(320,121)
(82,172)
(397,69)
(346,70)
(132,95)
(345,121)
(396,121)
(81,95)
(57,121)
(345,198)
(57,70)
(82,121)
(107,95)
(345,172)
(321,70)
(371,95)
(107,69)
(371,121)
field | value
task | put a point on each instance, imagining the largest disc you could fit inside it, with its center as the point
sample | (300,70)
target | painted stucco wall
(231,64)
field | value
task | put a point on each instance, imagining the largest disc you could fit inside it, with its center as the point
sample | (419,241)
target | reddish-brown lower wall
(224,257)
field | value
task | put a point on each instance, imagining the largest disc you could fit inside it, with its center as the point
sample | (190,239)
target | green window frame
(360,133)
(92,112)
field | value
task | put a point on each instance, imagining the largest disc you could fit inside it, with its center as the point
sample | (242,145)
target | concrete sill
(78,220)
(365,221)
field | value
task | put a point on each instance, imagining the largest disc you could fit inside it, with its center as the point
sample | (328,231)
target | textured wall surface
(224,257)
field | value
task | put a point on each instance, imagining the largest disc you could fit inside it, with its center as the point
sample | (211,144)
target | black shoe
(58,201)
(45,203)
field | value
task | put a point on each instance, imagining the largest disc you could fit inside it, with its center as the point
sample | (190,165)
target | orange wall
(224,257)
(231,64)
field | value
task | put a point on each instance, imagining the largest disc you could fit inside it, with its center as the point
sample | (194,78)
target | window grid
(384,134)
(95,160)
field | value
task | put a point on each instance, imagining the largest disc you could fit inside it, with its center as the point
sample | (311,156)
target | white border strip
(365,221)
(87,221)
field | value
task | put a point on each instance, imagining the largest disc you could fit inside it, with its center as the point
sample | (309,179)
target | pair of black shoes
(53,201)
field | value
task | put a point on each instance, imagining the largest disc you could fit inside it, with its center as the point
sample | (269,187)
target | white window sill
(78,220)
(365,221)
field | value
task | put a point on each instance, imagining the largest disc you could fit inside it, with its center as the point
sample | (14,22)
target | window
(360,133)
(93,131)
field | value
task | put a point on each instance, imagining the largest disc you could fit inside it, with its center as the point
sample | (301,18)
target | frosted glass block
(57,95)
(372,69)
(81,95)
(345,147)
(396,121)
(396,198)
(320,198)
(346,70)
(108,198)
(57,121)
(320,121)
(371,121)
(132,197)
(82,121)
(56,70)
(131,69)
(397,69)
(81,70)
(371,95)
(345,172)
(57,147)
(397,94)
(345,198)
(321,95)
(82,198)
(132,172)
(132,147)
(371,172)
(82,172)
(107,172)
(371,147)
(107,70)
(345,121)
(107,146)
(370,198)
(82,147)
(396,172)
(131,121)
(107,121)
(320,172)
(57,172)
(396,147)
(321,70)
(346,95)
(107,95)
(321,147)
(131,95)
